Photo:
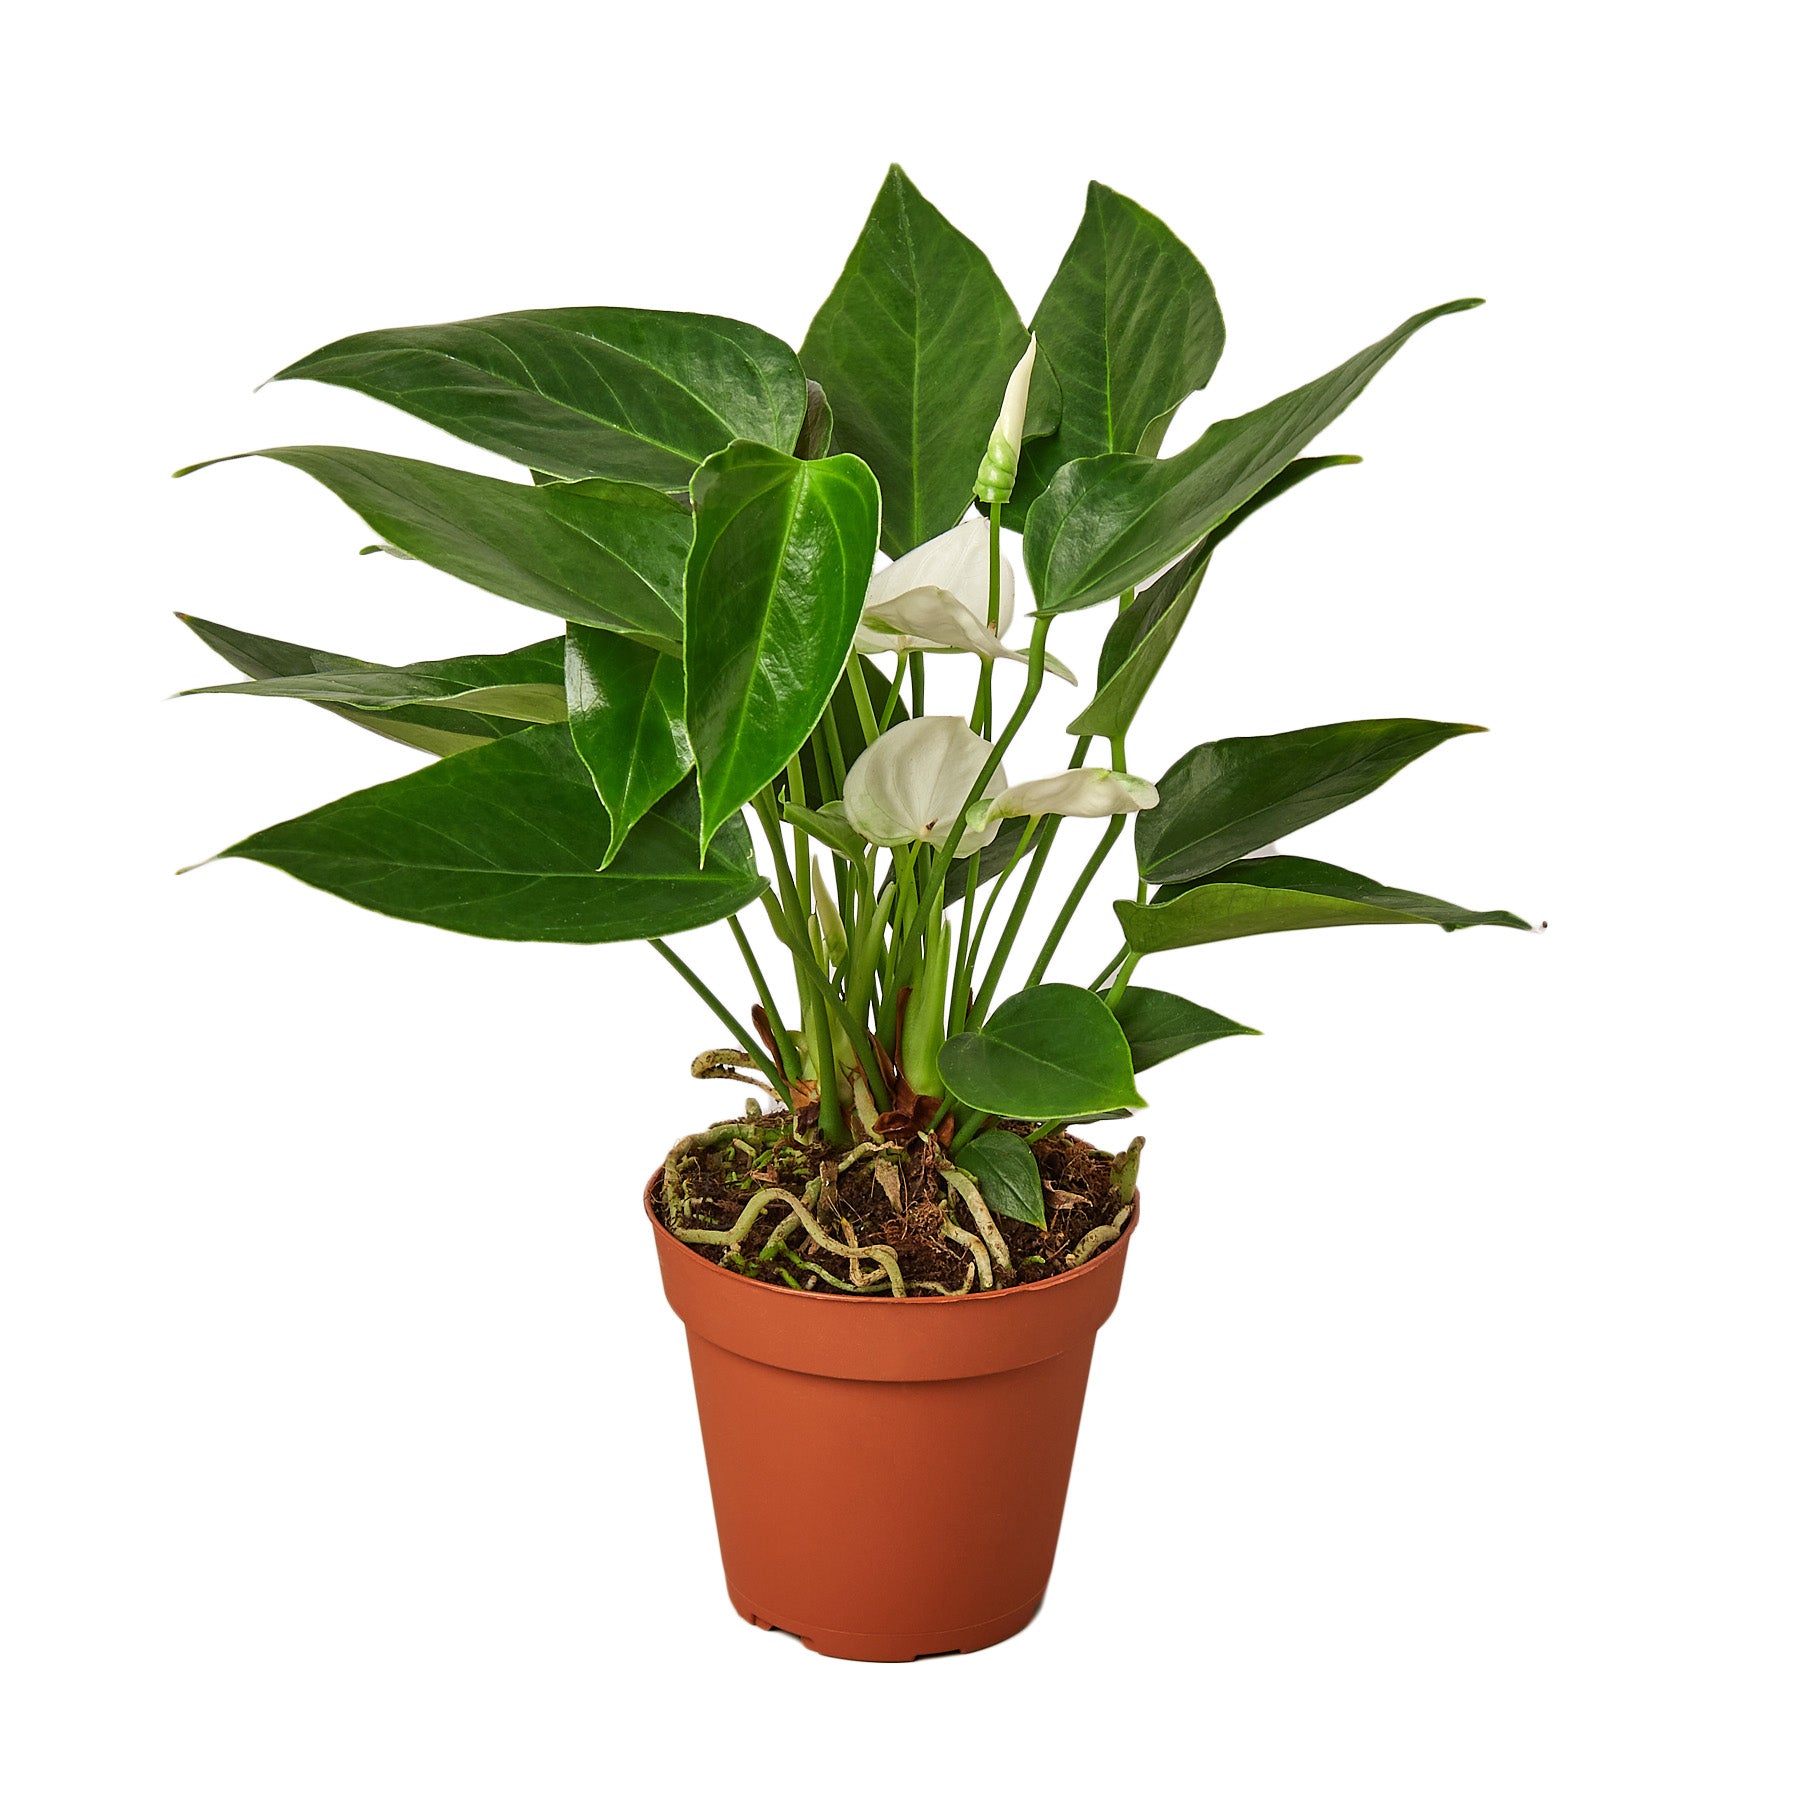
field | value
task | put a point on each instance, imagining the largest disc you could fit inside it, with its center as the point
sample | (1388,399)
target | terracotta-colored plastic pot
(888,1475)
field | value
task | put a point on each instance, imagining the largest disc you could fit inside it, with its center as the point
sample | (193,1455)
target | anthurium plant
(753,559)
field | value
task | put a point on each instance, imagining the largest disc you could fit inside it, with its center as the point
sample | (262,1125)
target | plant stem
(784,1045)
(725,1017)
(916,670)
(968,1129)
(1100,980)
(834,754)
(982,718)
(1034,680)
(859,692)
(819,984)
(1083,882)
(1126,969)
(891,704)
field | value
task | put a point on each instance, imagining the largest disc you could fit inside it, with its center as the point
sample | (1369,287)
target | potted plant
(892,1265)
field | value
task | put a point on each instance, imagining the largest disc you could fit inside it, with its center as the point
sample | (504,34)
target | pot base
(890,1646)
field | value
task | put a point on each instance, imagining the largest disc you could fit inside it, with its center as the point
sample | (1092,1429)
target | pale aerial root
(978,1211)
(982,1266)
(880,1254)
(1096,1239)
(674,1189)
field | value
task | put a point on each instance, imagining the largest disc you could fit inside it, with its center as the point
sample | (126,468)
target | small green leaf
(829,827)
(1158,1025)
(599,553)
(814,441)
(1108,522)
(1007,1174)
(1050,1052)
(1226,799)
(914,345)
(625,705)
(1144,633)
(581,390)
(462,701)
(507,842)
(1284,893)
(775,584)
(1132,326)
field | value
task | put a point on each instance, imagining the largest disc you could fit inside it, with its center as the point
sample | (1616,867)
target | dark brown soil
(721,1179)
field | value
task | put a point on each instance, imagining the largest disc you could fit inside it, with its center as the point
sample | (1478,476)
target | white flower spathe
(936,598)
(909,785)
(1000,466)
(1073,794)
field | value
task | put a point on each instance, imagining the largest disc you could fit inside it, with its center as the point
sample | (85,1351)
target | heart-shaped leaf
(781,560)
(1107,522)
(1158,1025)
(625,704)
(1050,1052)
(461,701)
(1225,799)
(1007,1174)
(581,390)
(1284,893)
(1132,326)
(1144,633)
(914,345)
(599,553)
(507,842)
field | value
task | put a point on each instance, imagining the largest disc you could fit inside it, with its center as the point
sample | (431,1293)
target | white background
(1444,1443)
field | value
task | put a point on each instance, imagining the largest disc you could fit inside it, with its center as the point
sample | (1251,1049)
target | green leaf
(775,584)
(914,345)
(472,699)
(625,717)
(1144,633)
(1007,1174)
(1132,327)
(581,390)
(1047,1053)
(1284,893)
(596,552)
(1223,800)
(829,828)
(507,842)
(1158,1025)
(1107,522)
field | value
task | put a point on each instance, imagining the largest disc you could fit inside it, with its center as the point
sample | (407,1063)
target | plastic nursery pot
(888,1475)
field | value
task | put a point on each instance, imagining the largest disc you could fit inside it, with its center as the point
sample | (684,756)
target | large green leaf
(472,699)
(1158,1025)
(1225,799)
(1144,633)
(625,716)
(775,584)
(581,390)
(914,345)
(1050,1052)
(1007,1174)
(1107,522)
(1285,893)
(601,553)
(1132,327)
(507,842)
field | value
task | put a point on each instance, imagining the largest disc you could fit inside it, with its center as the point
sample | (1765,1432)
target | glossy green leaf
(914,345)
(626,720)
(581,390)
(1049,1052)
(775,584)
(1107,522)
(462,701)
(595,552)
(1158,1025)
(1285,893)
(507,842)
(1224,800)
(1007,1174)
(1144,633)
(1132,327)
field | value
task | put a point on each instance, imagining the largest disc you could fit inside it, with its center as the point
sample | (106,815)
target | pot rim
(910,1302)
